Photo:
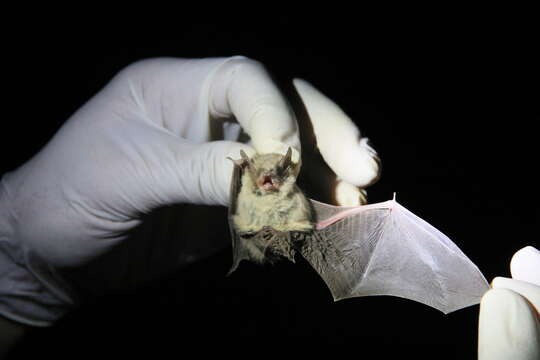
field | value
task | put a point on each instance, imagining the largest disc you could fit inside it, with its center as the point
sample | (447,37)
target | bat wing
(239,250)
(384,249)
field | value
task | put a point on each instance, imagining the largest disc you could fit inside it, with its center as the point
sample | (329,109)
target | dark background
(451,105)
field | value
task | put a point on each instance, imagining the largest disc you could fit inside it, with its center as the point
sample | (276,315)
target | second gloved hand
(509,326)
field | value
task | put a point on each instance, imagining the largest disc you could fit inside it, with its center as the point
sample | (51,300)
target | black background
(451,105)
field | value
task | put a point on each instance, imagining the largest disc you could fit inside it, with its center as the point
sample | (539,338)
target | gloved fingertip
(205,172)
(526,289)
(232,149)
(339,140)
(499,281)
(349,195)
(493,298)
(525,265)
(368,169)
(269,146)
(508,327)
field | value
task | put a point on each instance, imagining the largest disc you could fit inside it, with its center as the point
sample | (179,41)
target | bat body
(270,211)
(376,249)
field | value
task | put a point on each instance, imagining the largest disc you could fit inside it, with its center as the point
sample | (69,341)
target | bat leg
(271,246)
(276,244)
(292,251)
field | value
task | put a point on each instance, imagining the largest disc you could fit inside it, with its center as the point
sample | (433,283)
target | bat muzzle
(268,183)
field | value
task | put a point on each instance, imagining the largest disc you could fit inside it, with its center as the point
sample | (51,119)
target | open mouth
(267,183)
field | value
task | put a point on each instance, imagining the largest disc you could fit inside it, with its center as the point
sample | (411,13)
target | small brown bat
(269,213)
(376,249)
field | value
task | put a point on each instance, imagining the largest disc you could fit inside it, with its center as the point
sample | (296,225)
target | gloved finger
(170,92)
(203,172)
(338,139)
(178,171)
(349,195)
(525,265)
(529,291)
(242,88)
(508,327)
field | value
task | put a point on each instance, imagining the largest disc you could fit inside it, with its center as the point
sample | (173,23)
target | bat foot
(279,246)
(269,245)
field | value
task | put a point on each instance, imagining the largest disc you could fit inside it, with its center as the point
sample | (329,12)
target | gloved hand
(158,134)
(509,325)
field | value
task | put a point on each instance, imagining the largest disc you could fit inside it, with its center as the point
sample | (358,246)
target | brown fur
(265,219)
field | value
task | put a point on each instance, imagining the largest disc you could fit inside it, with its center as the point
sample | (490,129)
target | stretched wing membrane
(384,249)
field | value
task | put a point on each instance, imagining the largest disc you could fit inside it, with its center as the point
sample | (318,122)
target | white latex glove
(148,140)
(509,324)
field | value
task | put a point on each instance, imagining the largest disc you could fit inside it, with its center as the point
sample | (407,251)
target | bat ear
(249,164)
(244,156)
(286,161)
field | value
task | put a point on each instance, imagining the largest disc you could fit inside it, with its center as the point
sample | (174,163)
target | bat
(375,249)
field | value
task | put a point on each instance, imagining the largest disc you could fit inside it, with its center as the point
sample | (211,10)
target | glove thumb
(202,173)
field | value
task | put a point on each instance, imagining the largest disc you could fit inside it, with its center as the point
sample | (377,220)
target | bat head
(270,172)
